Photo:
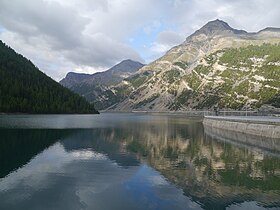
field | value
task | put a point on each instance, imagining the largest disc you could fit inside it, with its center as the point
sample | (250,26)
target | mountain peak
(129,62)
(109,77)
(127,65)
(217,26)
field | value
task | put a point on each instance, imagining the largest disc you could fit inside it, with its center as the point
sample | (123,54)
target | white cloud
(61,35)
(57,35)
(250,15)
(166,40)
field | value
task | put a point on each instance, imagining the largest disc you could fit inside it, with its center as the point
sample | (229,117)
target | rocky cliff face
(97,87)
(217,65)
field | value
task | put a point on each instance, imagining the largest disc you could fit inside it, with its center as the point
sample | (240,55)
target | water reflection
(106,141)
(213,173)
(146,162)
(268,144)
(18,146)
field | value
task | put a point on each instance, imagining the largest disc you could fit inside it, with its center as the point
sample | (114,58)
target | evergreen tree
(25,89)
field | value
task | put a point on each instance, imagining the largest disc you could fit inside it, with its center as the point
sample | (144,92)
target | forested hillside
(25,89)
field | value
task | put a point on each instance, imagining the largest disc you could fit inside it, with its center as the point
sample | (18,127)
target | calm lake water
(132,161)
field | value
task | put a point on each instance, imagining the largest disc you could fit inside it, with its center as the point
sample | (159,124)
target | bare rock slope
(217,65)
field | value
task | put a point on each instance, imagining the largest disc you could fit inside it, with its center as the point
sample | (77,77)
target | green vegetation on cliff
(237,77)
(25,89)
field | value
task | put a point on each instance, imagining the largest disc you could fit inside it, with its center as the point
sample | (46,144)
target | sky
(88,36)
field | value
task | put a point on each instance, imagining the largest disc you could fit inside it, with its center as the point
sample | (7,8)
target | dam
(267,127)
(259,132)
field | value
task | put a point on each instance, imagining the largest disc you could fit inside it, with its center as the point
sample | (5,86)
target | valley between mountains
(215,66)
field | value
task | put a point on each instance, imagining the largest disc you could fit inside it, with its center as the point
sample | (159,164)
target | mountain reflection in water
(150,162)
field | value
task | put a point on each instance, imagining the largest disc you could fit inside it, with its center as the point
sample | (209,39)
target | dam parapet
(267,127)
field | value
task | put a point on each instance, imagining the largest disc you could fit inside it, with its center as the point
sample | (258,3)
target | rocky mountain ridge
(111,76)
(175,81)
(215,66)
(94,86)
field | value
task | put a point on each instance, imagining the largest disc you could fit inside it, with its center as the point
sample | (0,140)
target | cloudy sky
(92,35)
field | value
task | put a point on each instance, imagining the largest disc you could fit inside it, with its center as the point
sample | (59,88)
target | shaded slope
(96,88)
(24,88)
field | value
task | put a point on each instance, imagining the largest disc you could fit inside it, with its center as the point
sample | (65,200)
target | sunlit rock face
(215,66)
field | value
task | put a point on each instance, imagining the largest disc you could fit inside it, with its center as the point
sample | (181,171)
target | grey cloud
(60,28)
(95,33)
(101,50)
(125,17)
(254,15)
(60,25)
(251,15)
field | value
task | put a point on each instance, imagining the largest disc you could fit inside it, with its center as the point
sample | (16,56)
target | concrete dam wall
(257,126)
(262,133)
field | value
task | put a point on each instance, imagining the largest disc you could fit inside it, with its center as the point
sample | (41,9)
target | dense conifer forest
(25,89)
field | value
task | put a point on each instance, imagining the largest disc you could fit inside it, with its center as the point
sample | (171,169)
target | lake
(132,161)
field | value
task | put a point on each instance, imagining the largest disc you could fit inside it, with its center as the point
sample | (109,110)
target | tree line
(25,89)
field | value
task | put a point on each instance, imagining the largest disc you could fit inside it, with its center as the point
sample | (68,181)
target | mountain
(25,89)
(96,87)
(215,66)
(111,76)
(217,27)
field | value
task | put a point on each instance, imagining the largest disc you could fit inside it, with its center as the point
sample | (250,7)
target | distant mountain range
(109,77)
(215,66)
(25,89)
(96,88)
